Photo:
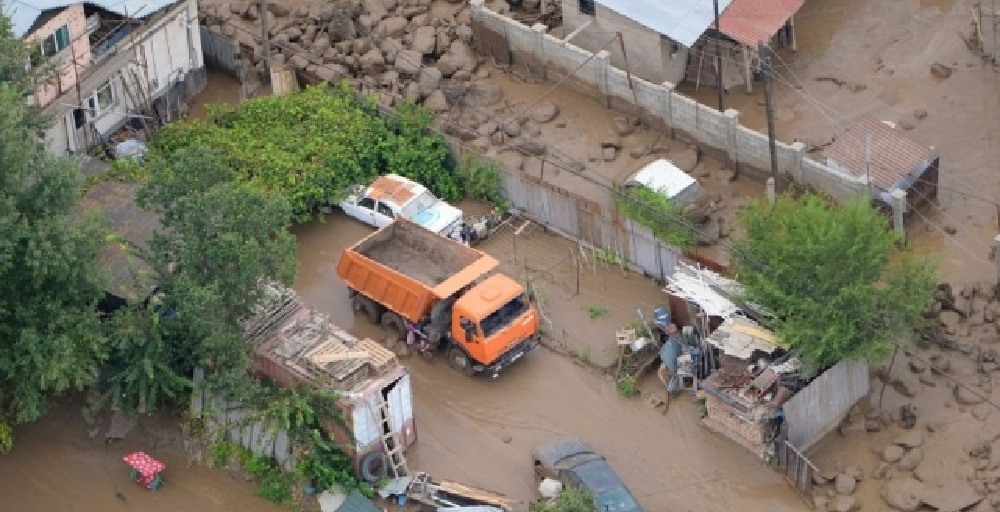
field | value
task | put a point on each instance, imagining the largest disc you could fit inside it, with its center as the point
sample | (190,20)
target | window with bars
(56,42)
(587,7)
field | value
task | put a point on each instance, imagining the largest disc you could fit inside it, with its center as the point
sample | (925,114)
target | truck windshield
(505,315)
(419,204)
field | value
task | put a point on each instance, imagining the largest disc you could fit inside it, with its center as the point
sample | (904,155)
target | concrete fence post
(667,106)
(602,61)
(539,50)
(477,7)
(898,209)
(771,190)
(732,120)
(798,154)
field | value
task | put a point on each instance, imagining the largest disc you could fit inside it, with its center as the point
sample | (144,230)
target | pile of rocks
(841,497)
(396,46)
(971,314)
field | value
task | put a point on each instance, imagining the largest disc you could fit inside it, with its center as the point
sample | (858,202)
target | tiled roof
(753,21)
(894,154)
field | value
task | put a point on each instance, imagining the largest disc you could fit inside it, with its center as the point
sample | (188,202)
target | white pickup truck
(680,187)
(392,196)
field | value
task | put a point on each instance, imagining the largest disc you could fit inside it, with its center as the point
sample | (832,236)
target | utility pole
(718,56)
(868,166)
(265,41)
(764,53)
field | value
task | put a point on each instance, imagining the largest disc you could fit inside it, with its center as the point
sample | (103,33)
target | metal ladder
(390,438)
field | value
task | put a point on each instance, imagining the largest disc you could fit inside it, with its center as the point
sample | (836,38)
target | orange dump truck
(408,278)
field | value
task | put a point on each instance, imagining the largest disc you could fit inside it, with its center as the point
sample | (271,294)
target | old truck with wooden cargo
(294,344)
(409,279)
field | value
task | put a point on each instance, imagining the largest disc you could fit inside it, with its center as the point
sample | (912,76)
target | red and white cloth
(147,466)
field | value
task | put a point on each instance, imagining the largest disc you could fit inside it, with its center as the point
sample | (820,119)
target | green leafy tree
(220,240)
(50,336)
(831,276)
(571,499)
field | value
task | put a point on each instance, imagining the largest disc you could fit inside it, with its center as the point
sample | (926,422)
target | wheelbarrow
(145,470)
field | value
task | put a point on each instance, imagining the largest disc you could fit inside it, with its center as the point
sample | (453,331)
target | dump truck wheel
(434,334)
(458,360)
(393,323)
(364,305)
(374,467)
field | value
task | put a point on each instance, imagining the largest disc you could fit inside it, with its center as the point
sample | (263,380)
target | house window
(56,42)
(102,99)
(587,7)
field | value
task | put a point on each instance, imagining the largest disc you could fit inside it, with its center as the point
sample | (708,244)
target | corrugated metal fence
(818,408)
(241,426)
(583,220)
(220,51)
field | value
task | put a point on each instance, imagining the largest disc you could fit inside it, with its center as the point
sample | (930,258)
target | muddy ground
(482,431)
(880,54)
(62,463)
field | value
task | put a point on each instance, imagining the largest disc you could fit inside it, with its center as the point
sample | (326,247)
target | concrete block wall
(718,131)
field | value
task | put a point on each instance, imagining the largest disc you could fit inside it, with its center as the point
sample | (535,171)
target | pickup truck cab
(681,188)
(392,196)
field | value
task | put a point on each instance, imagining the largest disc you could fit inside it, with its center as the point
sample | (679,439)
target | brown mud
(481,430)
(56,465)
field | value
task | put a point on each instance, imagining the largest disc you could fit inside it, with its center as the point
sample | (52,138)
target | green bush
(658,213)
(483,181)
(311,146)
(572,499)
(222,453)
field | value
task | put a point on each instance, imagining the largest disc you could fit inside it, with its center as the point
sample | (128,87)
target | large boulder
(390,47)
(408,62)
(391,27)
(544,112)
(436,102)
(428,80)
(279,10)
(424,40)
(372,62)
(482,94)
(341,26)
(375,8)
(459,56)
(903,494)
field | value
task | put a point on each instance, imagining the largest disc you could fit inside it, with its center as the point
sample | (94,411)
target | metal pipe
(718,56)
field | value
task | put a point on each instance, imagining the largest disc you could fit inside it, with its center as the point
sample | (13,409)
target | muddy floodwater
(58,466)
(481,431)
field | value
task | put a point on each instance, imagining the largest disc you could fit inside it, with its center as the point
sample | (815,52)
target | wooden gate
(798,469)
(490,43)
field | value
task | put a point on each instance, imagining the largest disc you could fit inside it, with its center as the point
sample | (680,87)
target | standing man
(669,353)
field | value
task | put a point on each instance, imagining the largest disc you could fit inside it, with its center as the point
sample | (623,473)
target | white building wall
(645,49)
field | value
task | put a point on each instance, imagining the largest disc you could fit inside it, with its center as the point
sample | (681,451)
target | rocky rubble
(398,47)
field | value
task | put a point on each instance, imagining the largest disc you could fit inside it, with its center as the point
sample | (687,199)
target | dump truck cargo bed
(408,268)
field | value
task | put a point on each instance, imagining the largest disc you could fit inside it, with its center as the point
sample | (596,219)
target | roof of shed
(753,21)
(683,21)
(894,155)
(24,13)
(129,275)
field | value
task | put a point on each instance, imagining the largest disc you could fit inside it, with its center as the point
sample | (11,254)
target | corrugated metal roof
(23,13)
(683,21)
(894,155)
(753,21)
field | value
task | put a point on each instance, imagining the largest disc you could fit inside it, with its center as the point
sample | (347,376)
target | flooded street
(481,431)
(57,466)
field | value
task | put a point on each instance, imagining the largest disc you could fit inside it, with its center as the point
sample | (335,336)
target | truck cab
(494,324)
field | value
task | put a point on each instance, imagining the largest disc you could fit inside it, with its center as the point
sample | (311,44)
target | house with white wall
(122,67)
(668,41)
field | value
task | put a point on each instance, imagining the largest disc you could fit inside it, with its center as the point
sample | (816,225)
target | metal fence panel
(813,411)
(219,50)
